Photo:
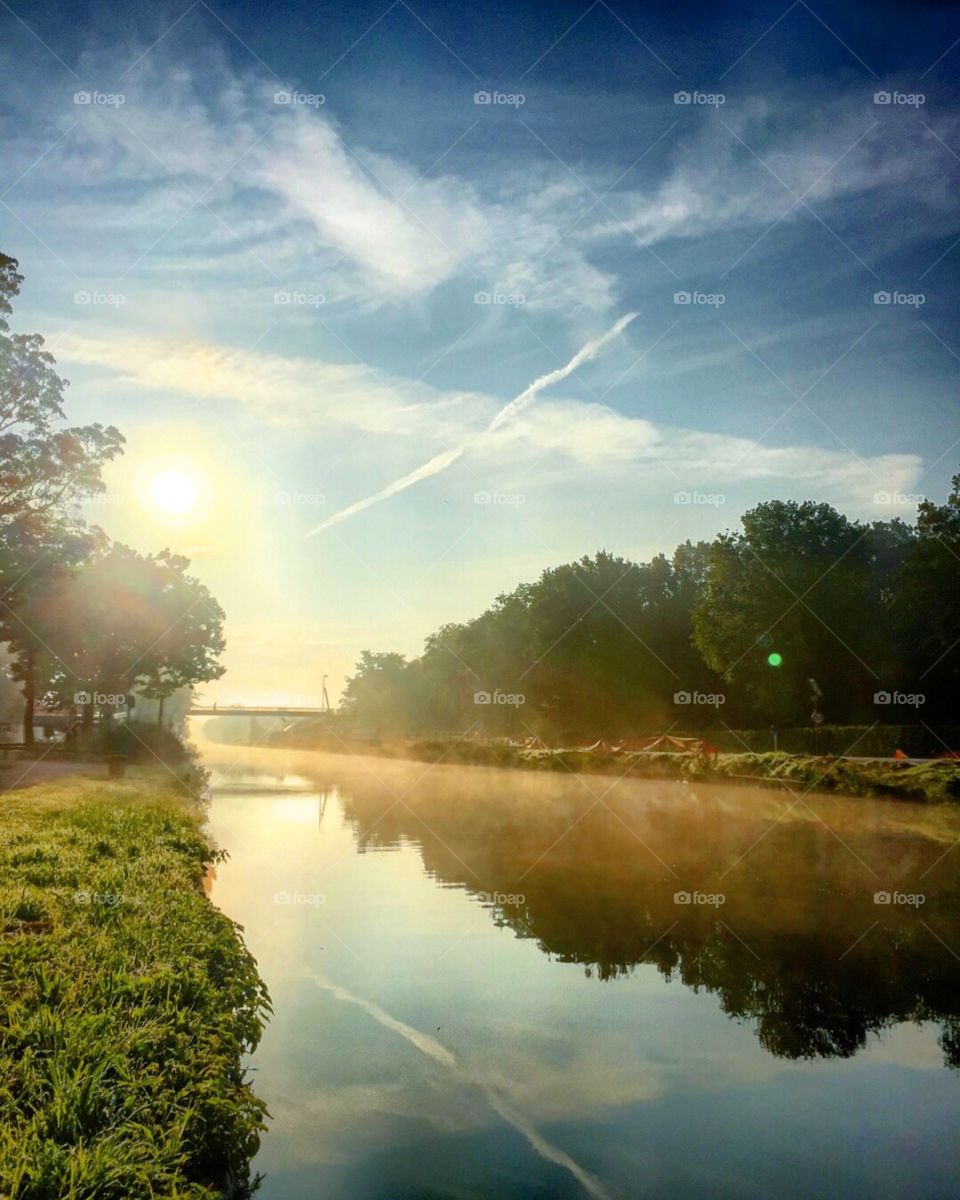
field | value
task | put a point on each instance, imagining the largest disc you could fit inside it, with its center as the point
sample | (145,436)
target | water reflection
(767,901)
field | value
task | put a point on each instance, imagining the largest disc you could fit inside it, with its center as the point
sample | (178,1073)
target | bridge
(243,710)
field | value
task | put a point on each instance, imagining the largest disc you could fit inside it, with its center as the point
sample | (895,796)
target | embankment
(934,781)
(130,1001)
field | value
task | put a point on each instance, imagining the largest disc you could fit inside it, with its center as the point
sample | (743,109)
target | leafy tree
(187,651)
(803,612)
(124,620)
(45,467)
(451,674)
(81,616)
(599,661)
(378,693)
(39,556)
(593,648)
(806,585)
(927,604)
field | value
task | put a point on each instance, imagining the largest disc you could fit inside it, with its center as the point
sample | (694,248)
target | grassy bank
(934,781)
(129,1002)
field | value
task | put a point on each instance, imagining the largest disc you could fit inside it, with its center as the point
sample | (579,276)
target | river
(502,984)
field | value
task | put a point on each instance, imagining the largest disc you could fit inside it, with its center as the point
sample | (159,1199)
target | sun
(173,492)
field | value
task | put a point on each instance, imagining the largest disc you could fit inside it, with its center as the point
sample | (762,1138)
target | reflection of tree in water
(791,948)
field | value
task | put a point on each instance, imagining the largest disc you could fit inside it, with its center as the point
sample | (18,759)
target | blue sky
(258,248)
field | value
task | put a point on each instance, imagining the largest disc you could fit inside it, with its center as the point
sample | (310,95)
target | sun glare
(173,492)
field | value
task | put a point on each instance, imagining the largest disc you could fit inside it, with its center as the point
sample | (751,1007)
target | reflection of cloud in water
(439,1053)
(536,1041)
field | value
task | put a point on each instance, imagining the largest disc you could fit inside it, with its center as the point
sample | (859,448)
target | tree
(44,467)
(187,651)
(799,595)
(803,612)
(124,620)
(39,555)
(593,648)
(927,604)
(82,618)
(378,694)
(45,470)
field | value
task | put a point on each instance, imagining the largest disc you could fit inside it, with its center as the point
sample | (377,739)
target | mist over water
(512,984)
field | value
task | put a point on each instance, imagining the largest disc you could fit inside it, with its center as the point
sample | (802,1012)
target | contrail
(440,462)
(433,467)
(439,1053)
(529,394)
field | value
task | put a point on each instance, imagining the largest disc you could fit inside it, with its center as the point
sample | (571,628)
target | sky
(301,253)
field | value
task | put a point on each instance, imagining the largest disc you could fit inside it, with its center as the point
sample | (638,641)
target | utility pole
(325,699)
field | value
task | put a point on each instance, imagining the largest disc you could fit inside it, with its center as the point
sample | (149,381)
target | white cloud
(557,440)
(303,200)
(297,392)
(411,234)
(296,194)
(837,147)
(566,441)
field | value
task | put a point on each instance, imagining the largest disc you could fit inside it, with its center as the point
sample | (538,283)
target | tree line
(801,616)
(86,621)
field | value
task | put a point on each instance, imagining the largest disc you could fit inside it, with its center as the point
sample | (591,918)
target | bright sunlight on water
(494,984)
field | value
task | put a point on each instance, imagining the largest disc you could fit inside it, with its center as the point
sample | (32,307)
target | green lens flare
(774,659)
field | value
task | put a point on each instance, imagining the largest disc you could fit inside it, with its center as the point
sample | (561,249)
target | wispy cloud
(751,161)
(282,390)
(559,440)
(207,172)
(571,442)
(204,167)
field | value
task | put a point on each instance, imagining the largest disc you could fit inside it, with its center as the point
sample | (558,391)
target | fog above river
(821,918)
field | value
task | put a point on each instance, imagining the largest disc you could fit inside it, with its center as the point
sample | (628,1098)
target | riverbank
(131,1001)
(934,781)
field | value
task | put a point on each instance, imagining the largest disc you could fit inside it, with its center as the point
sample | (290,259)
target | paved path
(20,773)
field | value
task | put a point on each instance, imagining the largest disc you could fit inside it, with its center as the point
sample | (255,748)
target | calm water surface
(492,984)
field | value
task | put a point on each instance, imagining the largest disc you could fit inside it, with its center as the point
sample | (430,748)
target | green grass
(127,1002)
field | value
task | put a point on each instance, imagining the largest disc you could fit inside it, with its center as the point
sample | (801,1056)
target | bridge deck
(239,710)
